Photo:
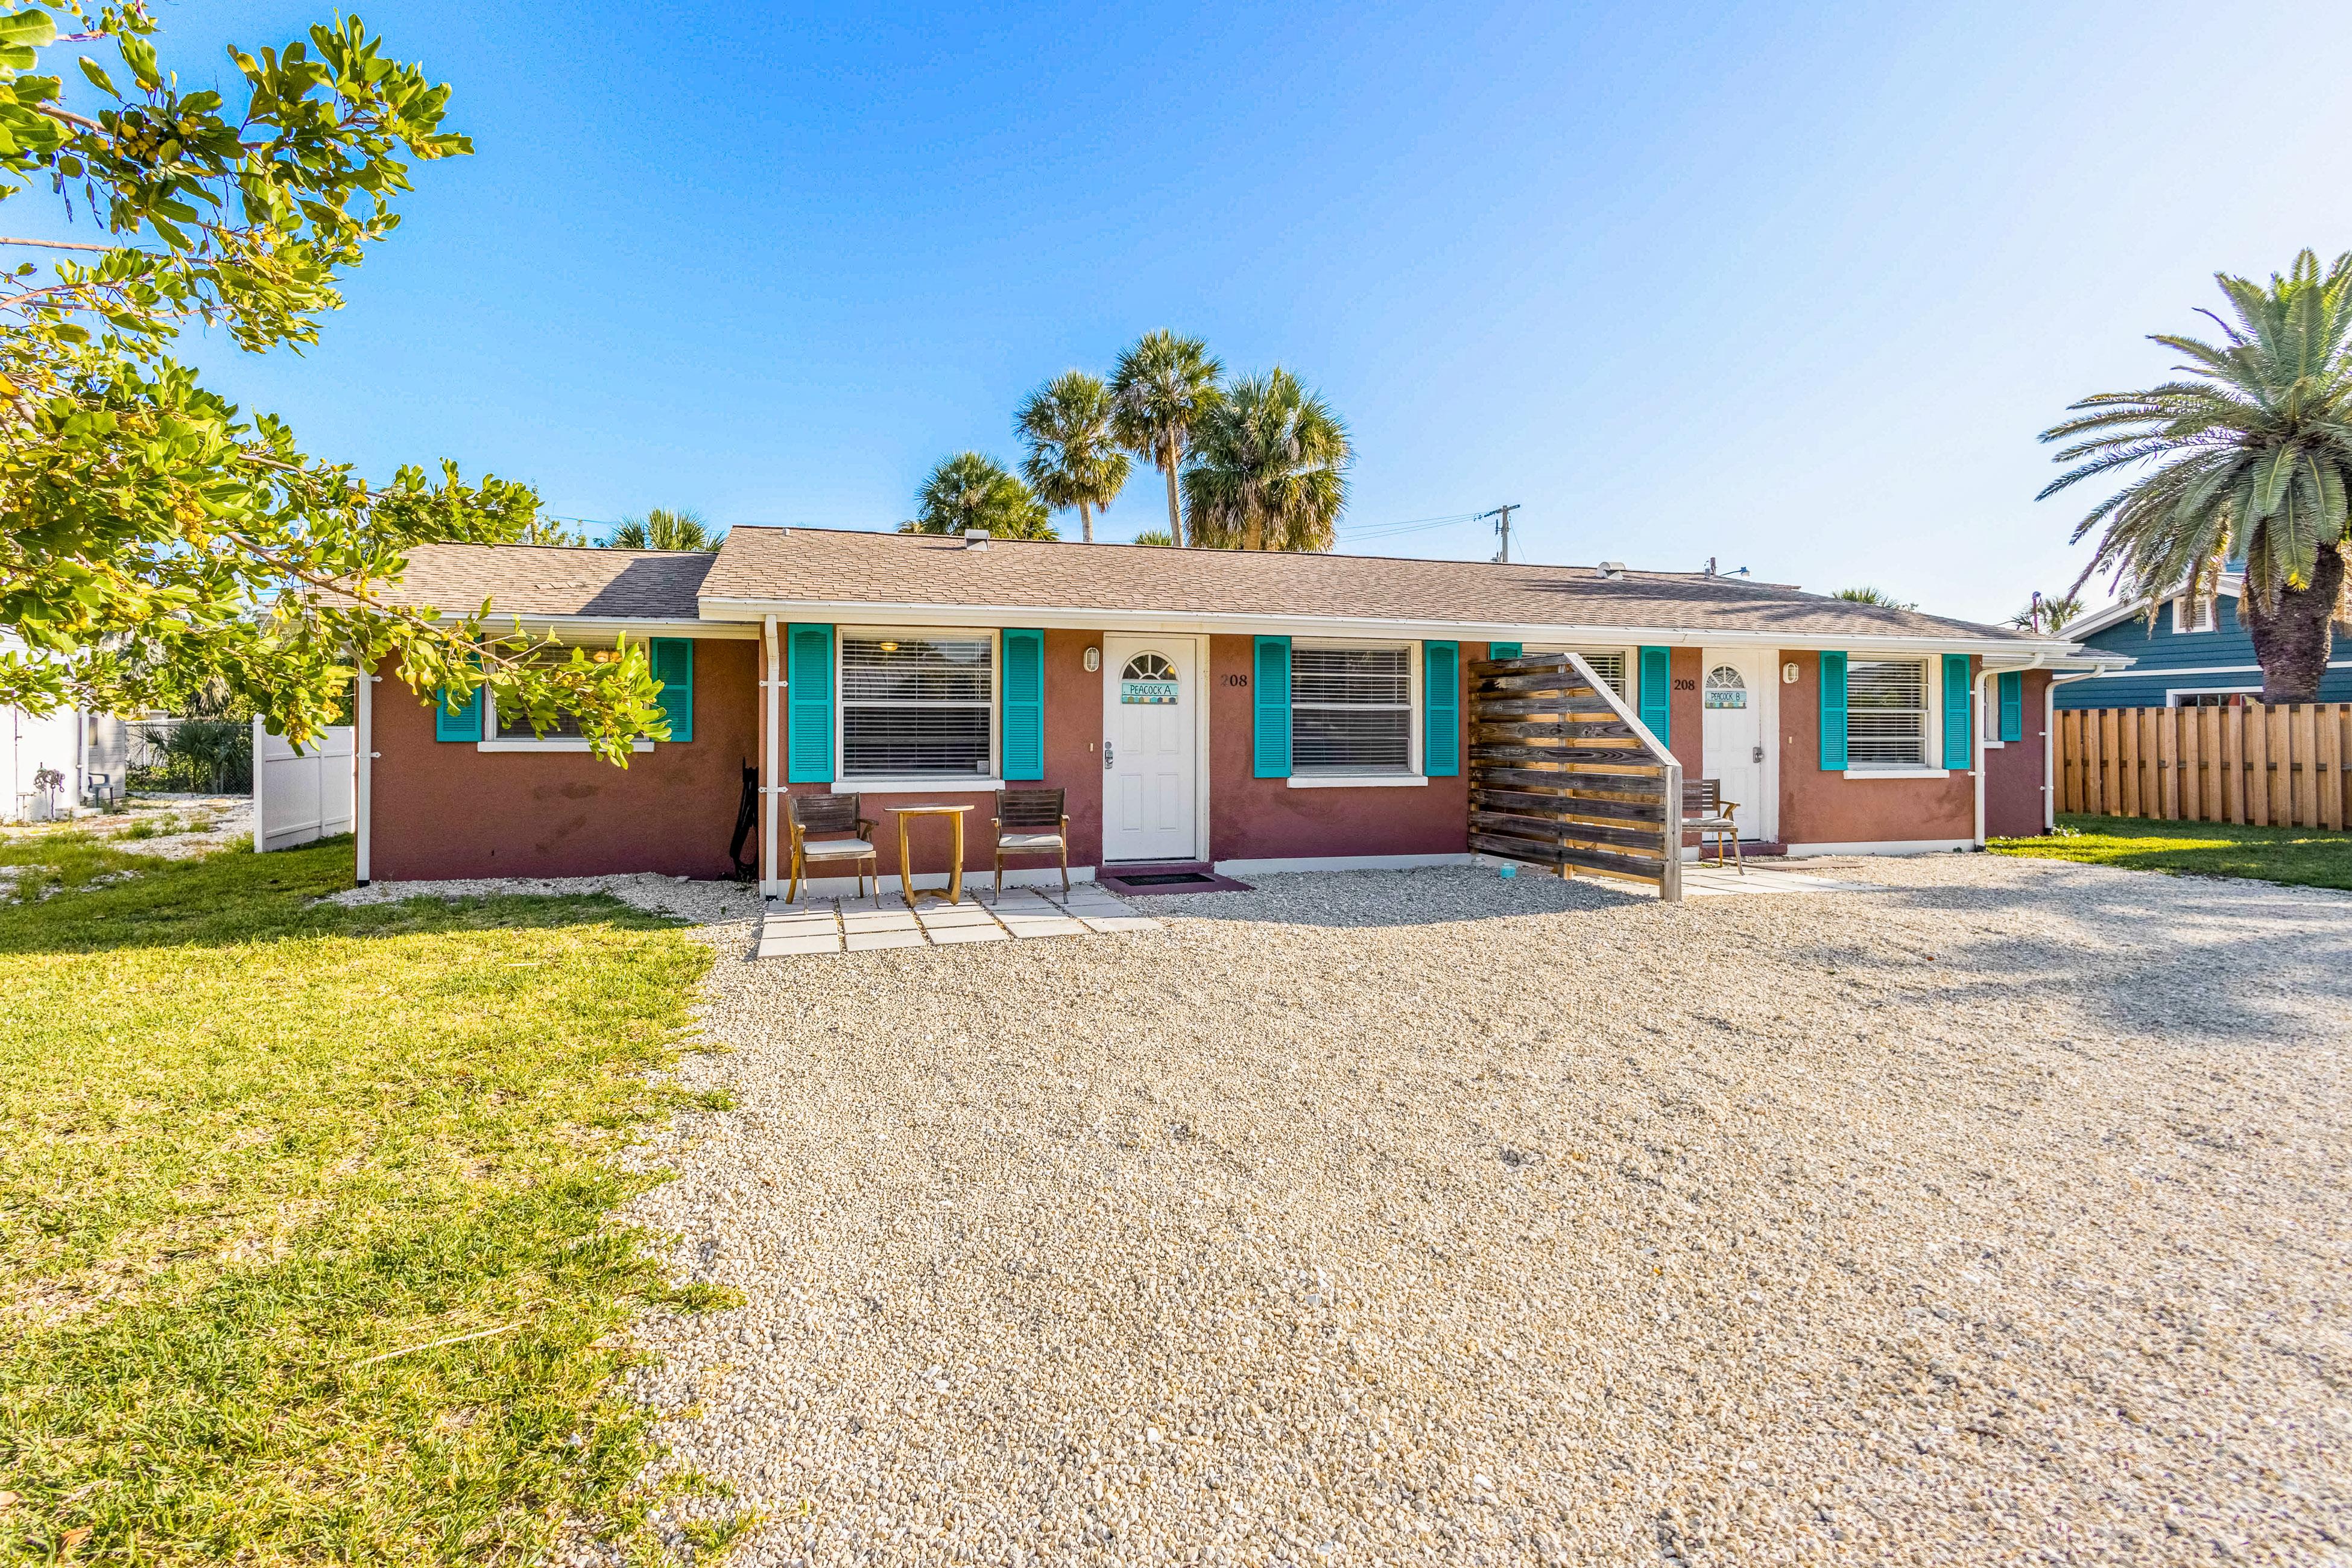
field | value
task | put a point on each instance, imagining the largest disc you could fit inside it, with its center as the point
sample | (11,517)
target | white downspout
(363,766)
(2050,745)
(771,774)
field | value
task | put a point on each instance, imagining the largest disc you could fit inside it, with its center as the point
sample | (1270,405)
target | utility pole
(1502,515)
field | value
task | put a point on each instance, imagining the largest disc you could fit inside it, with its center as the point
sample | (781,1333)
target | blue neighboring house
(2186,660)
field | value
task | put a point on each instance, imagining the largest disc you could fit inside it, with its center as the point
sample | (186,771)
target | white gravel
(1997,1216)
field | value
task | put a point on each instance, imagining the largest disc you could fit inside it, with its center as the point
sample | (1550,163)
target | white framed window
(2218,697)
(918,706)
(1353,708)
(1888,716)
(511,731)
(2197,616)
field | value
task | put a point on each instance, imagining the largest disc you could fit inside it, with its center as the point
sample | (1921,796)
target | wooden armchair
(1705,809)
(830,814)
(1031,821)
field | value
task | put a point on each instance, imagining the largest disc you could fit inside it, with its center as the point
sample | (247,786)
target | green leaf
(27,29)
(104,83)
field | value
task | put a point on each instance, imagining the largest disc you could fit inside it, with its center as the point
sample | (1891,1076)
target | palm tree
(1269,467)
(969,490)
(1867,595)
(2252,459)
(664,530)
(1153,536)
(1074,457)
(1160,390)
(2047,613)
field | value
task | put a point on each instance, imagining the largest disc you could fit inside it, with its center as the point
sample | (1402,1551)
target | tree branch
(58,244)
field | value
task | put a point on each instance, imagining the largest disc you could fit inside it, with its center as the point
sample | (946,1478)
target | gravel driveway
(1997,1214)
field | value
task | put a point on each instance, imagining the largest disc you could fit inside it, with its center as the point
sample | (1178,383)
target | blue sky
(1794,287)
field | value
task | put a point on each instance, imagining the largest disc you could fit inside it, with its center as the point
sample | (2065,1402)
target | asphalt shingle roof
(823,565)
(553,580)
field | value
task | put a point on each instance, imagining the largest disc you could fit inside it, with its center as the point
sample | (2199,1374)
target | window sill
(1899,773)
(1357,781)
(917,786)
(552,743)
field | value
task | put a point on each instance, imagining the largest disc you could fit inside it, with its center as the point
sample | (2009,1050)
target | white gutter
(2050,742)
(869,612)
(770,776)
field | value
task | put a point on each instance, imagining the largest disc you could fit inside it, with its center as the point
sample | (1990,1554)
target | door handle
(1759,756)
(1106,755)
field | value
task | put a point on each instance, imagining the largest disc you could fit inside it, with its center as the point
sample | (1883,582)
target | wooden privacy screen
(1562,775)
(2272,767)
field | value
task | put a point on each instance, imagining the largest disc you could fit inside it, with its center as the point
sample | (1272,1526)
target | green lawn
(248,1143)
(2309,858)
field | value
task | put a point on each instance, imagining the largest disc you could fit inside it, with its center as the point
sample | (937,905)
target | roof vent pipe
(975,539)
(1612,569)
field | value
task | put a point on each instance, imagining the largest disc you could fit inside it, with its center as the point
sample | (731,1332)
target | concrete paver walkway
(809,926)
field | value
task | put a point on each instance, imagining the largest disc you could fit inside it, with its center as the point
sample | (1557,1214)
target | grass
(2298,857)
(252,1146)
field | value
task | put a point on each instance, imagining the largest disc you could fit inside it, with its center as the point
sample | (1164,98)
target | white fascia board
(594,628)
(864,613)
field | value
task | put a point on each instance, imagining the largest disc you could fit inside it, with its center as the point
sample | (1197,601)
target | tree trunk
(1175,519)
(2292,642)
(1086,523)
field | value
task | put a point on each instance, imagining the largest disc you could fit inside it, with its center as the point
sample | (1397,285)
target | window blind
(1350,710)
(1886,713)
(917,706)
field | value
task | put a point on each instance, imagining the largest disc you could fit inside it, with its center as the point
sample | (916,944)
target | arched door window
(1725,688)
(1149,680)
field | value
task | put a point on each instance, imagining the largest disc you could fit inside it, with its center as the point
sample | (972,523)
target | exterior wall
(2013,771)
(1074,707)
(2220,660)
(445,809)
(1818,807)
(1253,818)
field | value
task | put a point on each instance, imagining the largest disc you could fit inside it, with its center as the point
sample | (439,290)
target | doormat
(1169,882)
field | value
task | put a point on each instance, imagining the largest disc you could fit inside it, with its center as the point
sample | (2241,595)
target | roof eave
(854,612)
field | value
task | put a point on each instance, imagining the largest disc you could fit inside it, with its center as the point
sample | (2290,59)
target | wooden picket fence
(2271,767)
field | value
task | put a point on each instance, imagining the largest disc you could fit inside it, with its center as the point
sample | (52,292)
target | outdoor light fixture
(1093,660)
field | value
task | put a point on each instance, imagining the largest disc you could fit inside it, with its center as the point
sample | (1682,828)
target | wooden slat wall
(1562,777)
(2268,767)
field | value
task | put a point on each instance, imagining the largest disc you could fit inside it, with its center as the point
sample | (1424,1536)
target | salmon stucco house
(1250,712)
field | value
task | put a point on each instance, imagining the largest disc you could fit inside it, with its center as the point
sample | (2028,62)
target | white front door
(1738,703)
(1151,759)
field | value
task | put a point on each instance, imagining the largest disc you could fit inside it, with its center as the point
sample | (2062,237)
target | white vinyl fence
(300,796)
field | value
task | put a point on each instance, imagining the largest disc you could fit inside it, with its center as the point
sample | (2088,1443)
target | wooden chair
(1705,809)
(1031,821)
(830,814)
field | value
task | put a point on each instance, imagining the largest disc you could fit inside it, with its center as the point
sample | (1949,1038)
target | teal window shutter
(1441,709)
(1025,705)
(1502,650)
(808,685)
(673,662)
(465,724)
(1833,713)
(1657,694)
(1270,736)
(1958,746)
(2012,705)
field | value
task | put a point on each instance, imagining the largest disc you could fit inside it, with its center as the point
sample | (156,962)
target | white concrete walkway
(883,920)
